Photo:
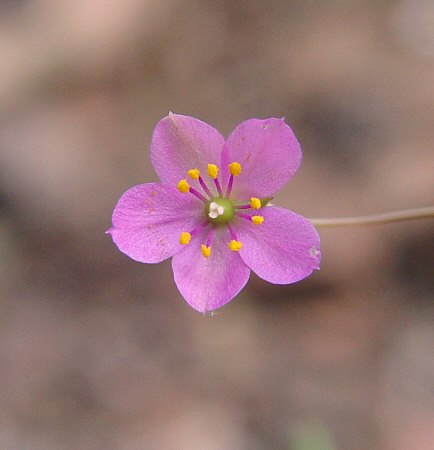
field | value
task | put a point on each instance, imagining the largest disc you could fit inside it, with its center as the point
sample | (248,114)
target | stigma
(215,210)
(219,210)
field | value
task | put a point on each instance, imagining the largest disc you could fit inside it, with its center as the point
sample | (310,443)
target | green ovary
(220,207)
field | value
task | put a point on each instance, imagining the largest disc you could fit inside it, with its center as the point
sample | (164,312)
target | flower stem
(377,219)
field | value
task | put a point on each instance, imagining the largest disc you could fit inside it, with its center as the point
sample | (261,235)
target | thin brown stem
(377,219)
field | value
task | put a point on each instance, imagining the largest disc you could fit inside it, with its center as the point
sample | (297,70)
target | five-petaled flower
(210,210)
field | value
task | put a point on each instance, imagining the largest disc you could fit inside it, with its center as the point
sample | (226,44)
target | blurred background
(99,352)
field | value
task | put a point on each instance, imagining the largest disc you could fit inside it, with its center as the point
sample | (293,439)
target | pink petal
(209,283)
(269,154)
(283,250)
(149,218)
(180,143)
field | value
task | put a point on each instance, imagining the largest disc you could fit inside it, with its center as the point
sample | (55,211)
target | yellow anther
(255,203)
(213,171)
(206,251)
(235,168)
(257,220)
(183,186)
(194,174)
(235,245)
(185,238)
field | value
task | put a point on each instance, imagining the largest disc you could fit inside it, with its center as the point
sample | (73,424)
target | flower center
(219,210)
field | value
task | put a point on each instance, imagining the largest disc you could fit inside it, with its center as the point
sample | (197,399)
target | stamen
(258,220)
(205,187)
(198,195)
(206,248)
(235,246)
(194,174)
(229,188)
(235,168)
(206,251)
(219,188)
(213,171)
(231,230)
(244,216)
(185,238)
(183,186)
(200,227)
(211,235)
(255,203)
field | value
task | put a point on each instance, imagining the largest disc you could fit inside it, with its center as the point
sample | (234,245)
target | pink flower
(209,212)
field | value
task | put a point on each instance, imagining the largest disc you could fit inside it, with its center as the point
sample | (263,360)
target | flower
(210,210)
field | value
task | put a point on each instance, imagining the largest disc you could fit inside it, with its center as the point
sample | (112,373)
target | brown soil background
(98,352)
